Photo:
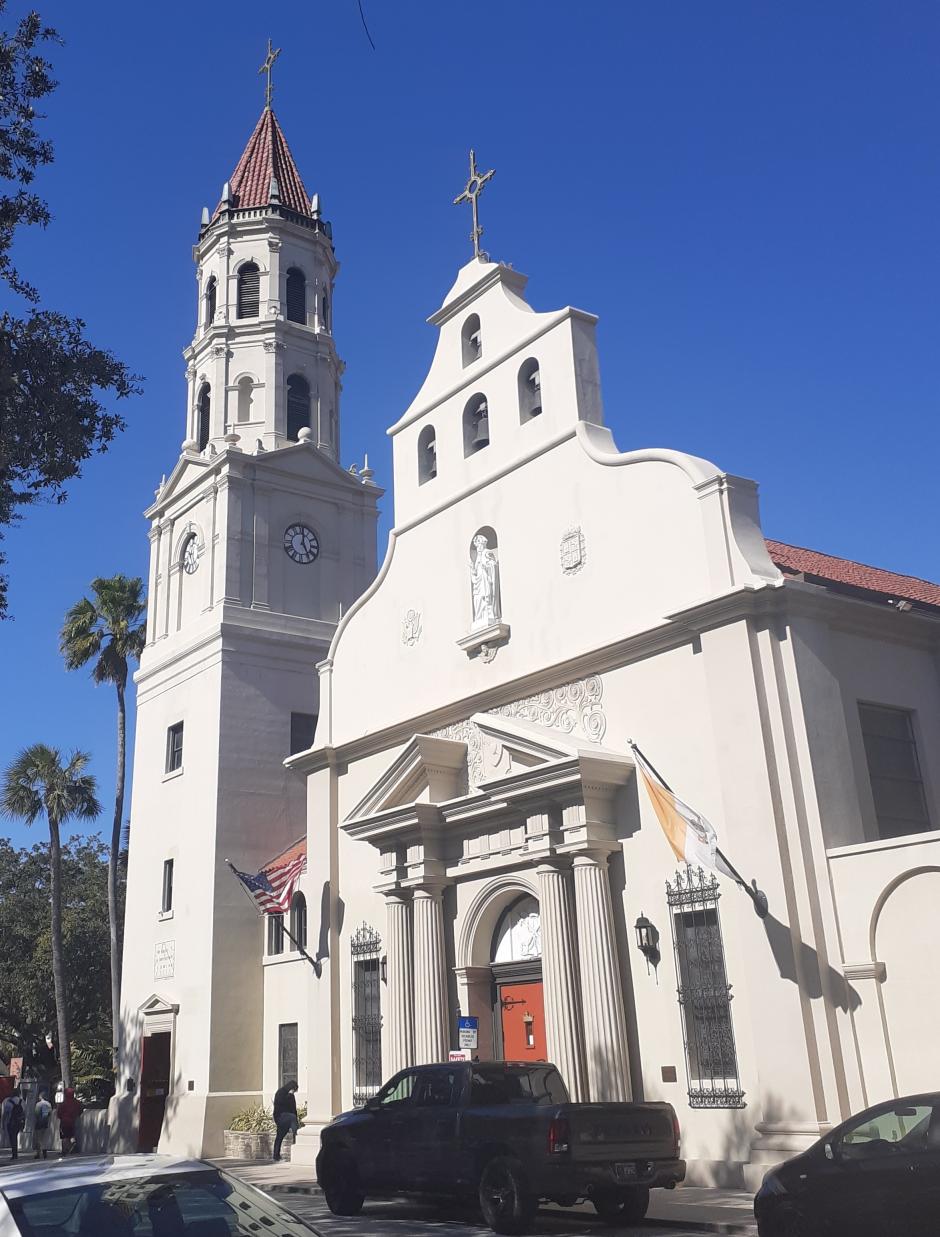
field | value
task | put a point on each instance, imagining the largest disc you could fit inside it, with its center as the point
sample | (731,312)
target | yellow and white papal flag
(691,836)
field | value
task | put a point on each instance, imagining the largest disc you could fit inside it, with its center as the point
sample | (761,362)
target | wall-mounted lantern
(647,940)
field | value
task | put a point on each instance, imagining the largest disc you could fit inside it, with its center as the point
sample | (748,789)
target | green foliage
(51,377)
(37,781)
(27,999)
(255,1119)
(108,628)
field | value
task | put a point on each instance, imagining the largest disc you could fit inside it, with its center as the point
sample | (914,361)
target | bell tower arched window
(471,340)
(204,416)
(427,455)
(476,425)
(325,312)
(210,295)
(298,405)
(249,291)
(245,397)
(530,390)
(296,296)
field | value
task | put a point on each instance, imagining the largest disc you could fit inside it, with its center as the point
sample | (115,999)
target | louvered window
(296,296)
(205,409)
(298,405)
(249,290)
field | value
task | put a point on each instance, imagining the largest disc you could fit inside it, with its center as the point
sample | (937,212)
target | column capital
(431,887)
(396,896)
(559,864)
(596,856)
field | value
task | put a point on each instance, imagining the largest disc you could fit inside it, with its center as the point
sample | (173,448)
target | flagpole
(314,962)
(757,896)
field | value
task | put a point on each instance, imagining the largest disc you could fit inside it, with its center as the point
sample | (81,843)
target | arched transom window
(518,935)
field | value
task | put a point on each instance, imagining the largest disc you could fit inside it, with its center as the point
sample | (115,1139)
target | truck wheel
(341,1188)
(505,1200)
(622,1206)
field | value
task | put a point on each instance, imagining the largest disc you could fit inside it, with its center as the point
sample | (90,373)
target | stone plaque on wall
(164,960)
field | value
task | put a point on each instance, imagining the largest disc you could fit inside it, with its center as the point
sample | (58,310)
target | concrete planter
(241,1146)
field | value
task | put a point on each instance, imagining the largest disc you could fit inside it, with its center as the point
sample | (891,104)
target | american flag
(272,888)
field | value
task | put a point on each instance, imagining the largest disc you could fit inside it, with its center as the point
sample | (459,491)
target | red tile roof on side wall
(825,568)
(267,154)
(296,848)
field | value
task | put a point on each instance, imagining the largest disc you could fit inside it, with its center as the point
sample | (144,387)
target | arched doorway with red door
(516,965)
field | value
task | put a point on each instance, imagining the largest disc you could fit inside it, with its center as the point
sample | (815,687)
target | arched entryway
(516,966)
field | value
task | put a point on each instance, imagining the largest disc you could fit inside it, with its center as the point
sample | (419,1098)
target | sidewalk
(708,1210)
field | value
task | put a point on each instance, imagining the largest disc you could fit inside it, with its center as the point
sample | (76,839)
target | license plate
(625,1172)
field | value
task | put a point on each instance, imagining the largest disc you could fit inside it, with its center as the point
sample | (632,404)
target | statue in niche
(484,583)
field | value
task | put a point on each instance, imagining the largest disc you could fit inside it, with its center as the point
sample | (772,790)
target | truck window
(436,1088)
(490,1087)
(398,1090)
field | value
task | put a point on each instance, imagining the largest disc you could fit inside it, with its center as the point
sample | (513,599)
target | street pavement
(401,1218)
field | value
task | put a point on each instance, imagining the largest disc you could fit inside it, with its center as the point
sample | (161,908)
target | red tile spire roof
(267,155)
(843,572)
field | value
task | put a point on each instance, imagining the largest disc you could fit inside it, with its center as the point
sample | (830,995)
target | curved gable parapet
(734,540)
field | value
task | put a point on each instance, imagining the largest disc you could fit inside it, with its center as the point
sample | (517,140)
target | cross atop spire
(267,67)
(471,193)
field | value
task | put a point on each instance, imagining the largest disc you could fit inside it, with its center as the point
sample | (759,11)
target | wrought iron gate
(366,947)
(703,991)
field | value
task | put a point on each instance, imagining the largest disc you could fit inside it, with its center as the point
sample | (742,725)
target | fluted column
(605,1029)
(399,1027)
(560,980)
(430,979)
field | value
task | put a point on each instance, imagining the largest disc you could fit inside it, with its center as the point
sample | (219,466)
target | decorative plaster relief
(572,551)
(164,960)
(575,706)
(411,628)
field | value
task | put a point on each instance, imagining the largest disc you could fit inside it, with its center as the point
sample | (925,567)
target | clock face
(190,556)
(301,544)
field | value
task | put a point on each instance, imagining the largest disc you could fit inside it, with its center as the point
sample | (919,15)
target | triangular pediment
(429,769)
(157,1004)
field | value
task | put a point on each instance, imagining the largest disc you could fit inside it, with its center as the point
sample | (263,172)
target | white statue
(484,584)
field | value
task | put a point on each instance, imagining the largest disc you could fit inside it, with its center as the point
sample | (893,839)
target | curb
(697,1226)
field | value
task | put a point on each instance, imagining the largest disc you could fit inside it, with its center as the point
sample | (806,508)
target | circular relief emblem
(301,544)
(190,555)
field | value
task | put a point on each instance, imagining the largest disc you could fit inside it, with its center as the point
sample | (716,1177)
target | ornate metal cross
(266,68)
(471,193)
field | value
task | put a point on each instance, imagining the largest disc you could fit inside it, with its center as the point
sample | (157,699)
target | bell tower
(262,363)
(259,543)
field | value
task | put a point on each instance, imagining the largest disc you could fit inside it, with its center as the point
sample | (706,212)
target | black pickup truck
(502,1131)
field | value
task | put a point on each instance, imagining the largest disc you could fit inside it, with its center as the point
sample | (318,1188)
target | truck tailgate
(621,1131)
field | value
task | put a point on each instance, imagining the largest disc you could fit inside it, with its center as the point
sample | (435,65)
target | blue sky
(748,194)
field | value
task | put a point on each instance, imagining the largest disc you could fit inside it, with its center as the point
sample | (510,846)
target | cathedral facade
(485,871)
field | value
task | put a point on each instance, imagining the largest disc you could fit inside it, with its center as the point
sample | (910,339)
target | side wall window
(298,921)
(286,1053)
(471,340)
(366,948)
(174,747)
(897,787)
(427,455)
(275,935)
(703,990)
(166,896)
(249,291)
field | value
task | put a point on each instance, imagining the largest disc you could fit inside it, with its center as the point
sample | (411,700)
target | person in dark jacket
(285,1114)
(68,1113)
(13,1118)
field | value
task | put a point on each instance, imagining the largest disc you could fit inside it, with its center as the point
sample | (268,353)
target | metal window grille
(703,991)
(366,948)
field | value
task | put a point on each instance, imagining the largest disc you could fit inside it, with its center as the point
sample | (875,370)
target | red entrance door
(154,1088)
(522,1013)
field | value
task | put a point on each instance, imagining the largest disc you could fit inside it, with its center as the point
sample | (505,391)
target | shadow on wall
(810,970)
(323,937)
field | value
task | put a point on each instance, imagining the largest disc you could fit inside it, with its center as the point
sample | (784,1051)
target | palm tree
(37,782)
(111,630)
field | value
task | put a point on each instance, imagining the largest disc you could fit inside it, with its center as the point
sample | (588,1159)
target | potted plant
(250,1134)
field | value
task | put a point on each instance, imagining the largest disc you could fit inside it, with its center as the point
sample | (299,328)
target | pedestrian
(12,1119)
(285,1114)
(42,1126)
(68,1113)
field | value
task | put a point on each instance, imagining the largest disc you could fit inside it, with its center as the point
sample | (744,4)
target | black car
(876,1175)
(502,1132)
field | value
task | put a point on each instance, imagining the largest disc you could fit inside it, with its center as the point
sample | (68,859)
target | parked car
(121,1196)
(504,1132)
(876,1175)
